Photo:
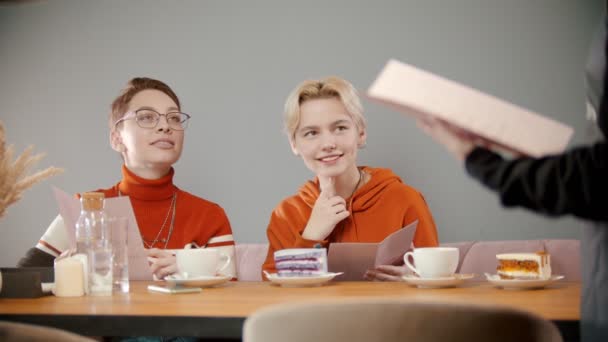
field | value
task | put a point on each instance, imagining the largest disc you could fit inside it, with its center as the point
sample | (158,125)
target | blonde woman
(345,202)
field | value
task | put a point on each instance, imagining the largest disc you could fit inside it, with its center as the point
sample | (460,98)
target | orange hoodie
(380,207)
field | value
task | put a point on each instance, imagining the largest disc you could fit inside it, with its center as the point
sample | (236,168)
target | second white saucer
(301,281)
(521,284)
(434,283)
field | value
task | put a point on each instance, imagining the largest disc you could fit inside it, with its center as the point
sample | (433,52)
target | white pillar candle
(69,277)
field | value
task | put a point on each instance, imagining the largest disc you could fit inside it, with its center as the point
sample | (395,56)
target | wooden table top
(560,301)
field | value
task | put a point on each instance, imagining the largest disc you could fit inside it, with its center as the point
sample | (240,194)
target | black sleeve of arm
(36,258)
(575,182)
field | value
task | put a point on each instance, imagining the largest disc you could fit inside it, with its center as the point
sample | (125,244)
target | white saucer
(434,283)
(301,281)
(513,284)
(202,281)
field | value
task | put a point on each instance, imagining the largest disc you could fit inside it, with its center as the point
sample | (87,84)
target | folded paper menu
(419,92)
(355,258)
(69,208)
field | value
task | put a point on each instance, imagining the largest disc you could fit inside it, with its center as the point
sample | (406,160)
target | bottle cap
(92,200)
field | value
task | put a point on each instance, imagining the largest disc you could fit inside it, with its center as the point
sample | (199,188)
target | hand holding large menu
(355,258)
(419,92)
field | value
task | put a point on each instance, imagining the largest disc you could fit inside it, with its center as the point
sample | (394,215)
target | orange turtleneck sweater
(196,220)
(380,207)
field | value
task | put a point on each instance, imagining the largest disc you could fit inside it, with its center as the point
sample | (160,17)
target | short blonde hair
(330,87)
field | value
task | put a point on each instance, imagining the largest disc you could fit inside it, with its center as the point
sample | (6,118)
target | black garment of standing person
(572,183)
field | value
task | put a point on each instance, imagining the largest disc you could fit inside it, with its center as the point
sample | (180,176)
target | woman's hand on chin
(162,262)
(329,209)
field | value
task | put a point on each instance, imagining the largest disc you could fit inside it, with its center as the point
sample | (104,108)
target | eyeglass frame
(133,115)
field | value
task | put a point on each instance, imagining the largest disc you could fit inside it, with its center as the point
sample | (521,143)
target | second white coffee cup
(433,262)
(201,262)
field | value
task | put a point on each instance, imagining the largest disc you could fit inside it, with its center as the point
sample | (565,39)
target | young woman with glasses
(147,129)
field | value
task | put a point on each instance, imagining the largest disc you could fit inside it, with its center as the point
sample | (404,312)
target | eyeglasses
(148,118)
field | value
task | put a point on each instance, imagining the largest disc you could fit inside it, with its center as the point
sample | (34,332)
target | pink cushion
(481,257)
(463,248)
(565,258)
(475,256)
(249,260)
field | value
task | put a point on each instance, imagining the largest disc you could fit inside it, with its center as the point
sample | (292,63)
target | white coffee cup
(433,262)
(201,262)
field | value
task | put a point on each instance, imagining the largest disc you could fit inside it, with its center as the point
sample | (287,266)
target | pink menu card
(355,258)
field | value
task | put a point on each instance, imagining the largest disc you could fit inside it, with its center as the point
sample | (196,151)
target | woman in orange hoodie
(344,203)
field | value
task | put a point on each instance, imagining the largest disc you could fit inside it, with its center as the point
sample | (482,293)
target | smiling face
(327,138)
(149,148)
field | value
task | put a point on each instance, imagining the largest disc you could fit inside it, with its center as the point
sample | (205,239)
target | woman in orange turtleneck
(345,203)
(147,129)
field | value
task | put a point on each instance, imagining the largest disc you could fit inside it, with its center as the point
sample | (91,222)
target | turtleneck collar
(146,189)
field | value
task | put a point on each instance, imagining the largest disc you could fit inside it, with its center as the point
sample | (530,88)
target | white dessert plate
(202,281)
(301,281)
(514,284)
(434,283)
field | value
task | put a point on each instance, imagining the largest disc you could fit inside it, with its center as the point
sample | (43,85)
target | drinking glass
(101,263)
(118,228)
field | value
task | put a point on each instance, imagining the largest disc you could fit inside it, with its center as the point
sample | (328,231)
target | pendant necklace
(355,189)
(171,211)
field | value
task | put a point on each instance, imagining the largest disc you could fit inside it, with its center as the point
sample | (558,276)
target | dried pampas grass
(13,174)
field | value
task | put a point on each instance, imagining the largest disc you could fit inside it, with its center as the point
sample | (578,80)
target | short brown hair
(135,85)
(330,87)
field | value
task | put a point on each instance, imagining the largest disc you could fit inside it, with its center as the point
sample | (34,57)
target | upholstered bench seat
(475,256)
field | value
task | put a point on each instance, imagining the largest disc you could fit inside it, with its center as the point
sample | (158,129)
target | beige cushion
(19,332)
(390,320)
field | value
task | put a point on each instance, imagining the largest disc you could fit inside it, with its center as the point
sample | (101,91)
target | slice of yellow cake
(524,265)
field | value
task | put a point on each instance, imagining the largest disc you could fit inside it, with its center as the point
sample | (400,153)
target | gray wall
(234,62)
